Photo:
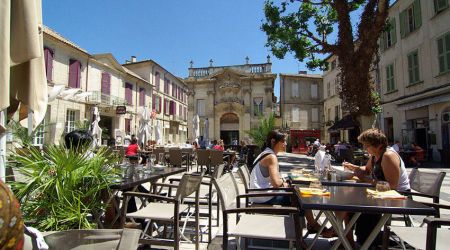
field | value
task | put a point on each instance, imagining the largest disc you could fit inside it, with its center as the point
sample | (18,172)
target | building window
(388,37)
(129,93)
(390,80)
(157,80)
(410,19)
(166,106)
(70,120)
(333,64)
(337,113)
(314,115)
(328,89)
(201,107)
(258,107)
(440,5)
(38,138)
(127,126)
(180,111)
(314,91)
(48,55)
(141,96)
(295,114)
(74,73)
(413,67)
(157,103)
(295,92)
(329,114)
(443,44)
(336,86)
(106,83)
(166,85)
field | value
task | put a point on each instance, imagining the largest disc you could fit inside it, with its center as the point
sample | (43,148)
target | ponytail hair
(273,137)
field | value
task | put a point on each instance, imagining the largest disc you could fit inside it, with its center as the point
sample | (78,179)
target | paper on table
(314,191)
(391,194)
(304,178)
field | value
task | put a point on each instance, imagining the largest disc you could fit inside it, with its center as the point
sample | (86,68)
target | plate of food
(343,173)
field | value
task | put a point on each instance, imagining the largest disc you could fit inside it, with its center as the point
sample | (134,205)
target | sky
(170,32)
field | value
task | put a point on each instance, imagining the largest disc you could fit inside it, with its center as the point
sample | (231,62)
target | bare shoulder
(390,156)
(268,160)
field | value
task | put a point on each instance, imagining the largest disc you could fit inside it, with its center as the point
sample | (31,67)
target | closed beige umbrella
(22,68)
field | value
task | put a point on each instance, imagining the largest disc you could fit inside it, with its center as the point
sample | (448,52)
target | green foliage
(21,133)
(376,108)
(259,134)
(82,125)
(62,188)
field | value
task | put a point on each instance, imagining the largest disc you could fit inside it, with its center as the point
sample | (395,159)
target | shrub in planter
(63,188)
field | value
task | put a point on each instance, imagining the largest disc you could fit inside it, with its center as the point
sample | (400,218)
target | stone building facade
(229,99)
(415,75)
(86,81)
(301,107)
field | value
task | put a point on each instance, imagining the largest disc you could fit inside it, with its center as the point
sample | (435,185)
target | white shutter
(295,114)
(314,115)
(294,88)
(314,91)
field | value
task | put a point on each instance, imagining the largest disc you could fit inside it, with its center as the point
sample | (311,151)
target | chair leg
(210,213)
(225,232)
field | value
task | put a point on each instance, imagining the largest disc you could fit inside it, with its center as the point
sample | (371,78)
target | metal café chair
(202,158)
(168,210)
(275,223)
(175,157)
(216,159)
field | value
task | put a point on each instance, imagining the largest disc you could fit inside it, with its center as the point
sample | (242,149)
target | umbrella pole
(30,121)
(2,146)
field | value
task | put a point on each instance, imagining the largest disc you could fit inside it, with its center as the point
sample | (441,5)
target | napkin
(304,178)
(391,194)
(314,191)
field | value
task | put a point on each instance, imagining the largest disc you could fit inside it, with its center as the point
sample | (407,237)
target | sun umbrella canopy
(144,126)
(196,126)
(158,132)
(96,131)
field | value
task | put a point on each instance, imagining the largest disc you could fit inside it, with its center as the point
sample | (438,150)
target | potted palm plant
(61,188)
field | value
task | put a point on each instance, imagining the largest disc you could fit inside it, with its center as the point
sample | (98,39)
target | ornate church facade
(228,100)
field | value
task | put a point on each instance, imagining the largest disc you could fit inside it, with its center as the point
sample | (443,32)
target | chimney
(127,61)
(303,72)
(133,59)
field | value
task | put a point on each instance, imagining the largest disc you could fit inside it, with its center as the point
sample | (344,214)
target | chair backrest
(227,190)
(175,157)
(216,157)
(189,184)
(203,157)
(156,152)
(218,171)
(427,182)
(244,174)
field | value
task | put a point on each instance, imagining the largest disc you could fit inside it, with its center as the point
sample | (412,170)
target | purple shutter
(127,126)
(128,93)
(48,54)
(106,83)
(74,73)
(141,96)
(157,78)
(180,110)
(159,104)
(173,108)
(165,106)
(154,102)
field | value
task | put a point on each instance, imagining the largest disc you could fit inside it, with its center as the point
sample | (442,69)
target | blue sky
(171,32)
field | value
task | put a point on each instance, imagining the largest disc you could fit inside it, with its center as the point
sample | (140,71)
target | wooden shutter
(417,14)
(393,30)
(106,83)
(48,54)
(142,96)
(157,81)
(382,41)
(129,93)
(403,24)
(153,102)
(74,73)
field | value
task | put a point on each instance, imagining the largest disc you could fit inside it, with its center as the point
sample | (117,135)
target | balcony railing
(98,97)
(247,68)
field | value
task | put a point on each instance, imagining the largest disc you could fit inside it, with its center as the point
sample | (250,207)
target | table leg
(375,231)
(337,225)
(348,227)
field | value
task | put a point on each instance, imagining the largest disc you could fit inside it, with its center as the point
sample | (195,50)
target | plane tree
(309,28)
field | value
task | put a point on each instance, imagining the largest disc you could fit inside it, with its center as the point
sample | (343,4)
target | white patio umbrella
(22,68)
(145,129)
(206,131)
(96,131)
(196,126)
(158,132)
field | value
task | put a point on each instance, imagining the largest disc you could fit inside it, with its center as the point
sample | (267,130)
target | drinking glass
(152,159)
(315,184)
(162,159)
(382,186)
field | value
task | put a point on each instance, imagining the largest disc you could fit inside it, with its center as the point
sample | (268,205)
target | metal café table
(132,183)
(355,200)
(326,182)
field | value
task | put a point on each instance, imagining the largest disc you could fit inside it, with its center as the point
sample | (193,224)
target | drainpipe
(87,82)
